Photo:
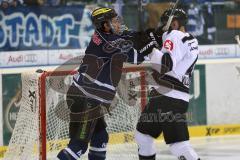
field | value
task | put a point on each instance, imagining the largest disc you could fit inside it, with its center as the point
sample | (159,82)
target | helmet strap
(112,28)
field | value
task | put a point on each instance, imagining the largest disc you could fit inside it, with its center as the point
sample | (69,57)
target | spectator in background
(14,3)
(53,2)
(10,3)
(4,4)
(75,2)
(201,23)
(210,22)
(196,21)
(118,5)
(33,2)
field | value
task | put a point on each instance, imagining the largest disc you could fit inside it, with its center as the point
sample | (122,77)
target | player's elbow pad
(167,63)
(161,62)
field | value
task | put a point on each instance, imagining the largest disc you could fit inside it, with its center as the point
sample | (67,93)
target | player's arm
(165,60)
(143,43)
(176,47)
(190,45)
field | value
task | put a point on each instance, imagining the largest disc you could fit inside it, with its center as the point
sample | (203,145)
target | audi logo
(30,58)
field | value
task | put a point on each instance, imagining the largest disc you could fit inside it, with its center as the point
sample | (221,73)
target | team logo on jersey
(168,45)
(96,39)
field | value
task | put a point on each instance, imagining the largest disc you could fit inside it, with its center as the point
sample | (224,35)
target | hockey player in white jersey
(166,111)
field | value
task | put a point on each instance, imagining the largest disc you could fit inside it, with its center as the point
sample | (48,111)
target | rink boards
(222,101)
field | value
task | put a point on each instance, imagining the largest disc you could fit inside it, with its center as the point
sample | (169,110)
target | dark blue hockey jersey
(101,69)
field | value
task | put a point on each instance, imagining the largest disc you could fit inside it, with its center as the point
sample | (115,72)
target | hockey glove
(146,42)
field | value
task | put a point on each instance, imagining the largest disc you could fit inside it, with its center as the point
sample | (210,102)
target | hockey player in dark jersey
(95,83)
(169,98)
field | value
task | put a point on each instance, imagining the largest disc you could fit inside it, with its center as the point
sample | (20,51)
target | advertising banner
(61,56)
(34,28)
(197,105)
(1,118)
(219,51)
(38,57)
(11,95)
(24,58)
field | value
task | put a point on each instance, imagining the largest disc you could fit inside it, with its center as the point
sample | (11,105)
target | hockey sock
(145,143)
(97,150)
(74,150)
(183,151)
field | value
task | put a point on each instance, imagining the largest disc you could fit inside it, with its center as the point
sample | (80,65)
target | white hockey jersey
(183,50)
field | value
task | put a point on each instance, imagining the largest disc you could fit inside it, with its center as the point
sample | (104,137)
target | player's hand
(145,42)
(158,35)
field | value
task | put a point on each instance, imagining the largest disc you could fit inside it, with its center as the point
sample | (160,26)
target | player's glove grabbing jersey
(175,63)
(145,41)
(101,68)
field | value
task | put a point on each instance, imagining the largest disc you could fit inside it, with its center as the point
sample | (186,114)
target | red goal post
(43,137)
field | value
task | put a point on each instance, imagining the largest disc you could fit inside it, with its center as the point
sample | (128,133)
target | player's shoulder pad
(172,38)
(171,33)
(181,36)
(176,33)
(188,37)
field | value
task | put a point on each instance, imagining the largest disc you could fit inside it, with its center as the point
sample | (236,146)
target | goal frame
(42,101)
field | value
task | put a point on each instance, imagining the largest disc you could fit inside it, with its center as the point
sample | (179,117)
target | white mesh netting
(25,140)
(25,137)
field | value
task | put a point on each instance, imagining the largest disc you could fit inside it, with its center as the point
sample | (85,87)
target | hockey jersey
(101,68)
(183,51)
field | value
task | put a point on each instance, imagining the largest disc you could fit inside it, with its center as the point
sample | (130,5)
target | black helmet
(179,14)
(165,16)
(101,15)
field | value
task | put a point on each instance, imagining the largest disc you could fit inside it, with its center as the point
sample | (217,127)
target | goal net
(39,133)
